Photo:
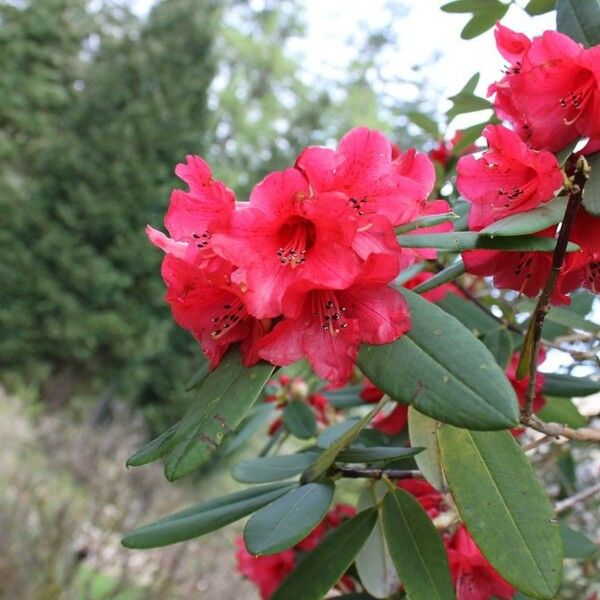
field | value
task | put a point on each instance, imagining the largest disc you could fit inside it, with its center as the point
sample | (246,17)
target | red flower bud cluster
(302,269)
(267,572)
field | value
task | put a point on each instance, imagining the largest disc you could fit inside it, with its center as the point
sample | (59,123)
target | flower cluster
(267,572)
(473,576)
(550,93)
(301,269)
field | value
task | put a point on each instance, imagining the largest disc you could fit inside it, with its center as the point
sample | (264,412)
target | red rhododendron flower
(212,307)
(193,214)
(473,576)
(285,235)
(429,498)
(520,385)
(327,326)
(527,272)
(393,422)
(266,572)
(509,178)
(551,91)
(370,392)
(444,149)
(436,294)
(376,179)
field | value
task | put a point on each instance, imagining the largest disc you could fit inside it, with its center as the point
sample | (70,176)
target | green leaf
(535,220)
(272,468)
(424,222)
(251,424)
(562,410)
(466,6)
(423,432)
(331,434)
(469,135)
(499,343)
(576,544)
(373,562)
(198,377)
(468,240)
(478,321)
(378,454)
(300,420)
(465,387)
(203,518)
(346,397)
(465,102)
(539,7)
(566,152)
(580,20)
(425,122)
(567,386)
(225,397)
(328,456)
(591,192)
(483,21)
(416,548)
(450,273)
(154,449)
(505,507)
(469,87)
(289,519)
(323,567)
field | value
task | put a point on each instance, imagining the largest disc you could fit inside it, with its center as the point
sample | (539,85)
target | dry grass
(66,499)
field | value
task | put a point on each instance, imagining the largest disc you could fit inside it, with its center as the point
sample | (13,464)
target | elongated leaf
(577,545)
(465,387)
(346,397)
(153,450)
(300,420)
(567,386)
(465,6)
(478,321)
(251,424)
(539,7)
(289,519)
(562,410)
(272,468)
(469,135)
(450,273)
(424,222)
(591,194)
(579,19)
(416,548)
(482,21)
(204,518)
(328,456)
(323,567)
(373,454)
(198,377)
(225,397)
(505,507)
(373,562)
(331,434)
(499,343)
(468,240)
(423,432)
(466,103)
(425,122)
(529,222)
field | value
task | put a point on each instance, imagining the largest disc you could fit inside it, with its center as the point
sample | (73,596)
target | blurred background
(98,101)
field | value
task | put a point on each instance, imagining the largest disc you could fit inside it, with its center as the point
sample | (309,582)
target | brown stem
(531,349)
(352,473)
(568,503)
(583,434)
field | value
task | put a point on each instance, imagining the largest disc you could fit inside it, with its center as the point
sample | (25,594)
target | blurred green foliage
(98,104)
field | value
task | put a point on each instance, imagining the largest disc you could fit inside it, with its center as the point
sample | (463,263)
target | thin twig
(352,473)
(581,175)
(568,503)
(539,442)
(583,434)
